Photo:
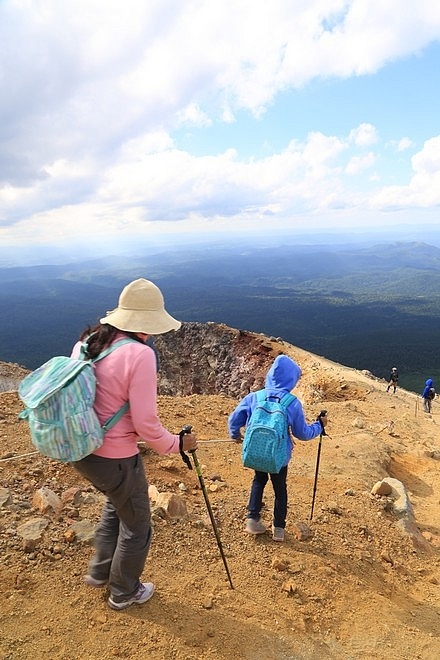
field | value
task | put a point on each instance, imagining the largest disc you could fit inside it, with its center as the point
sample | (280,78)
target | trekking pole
(321,414)
(187,429)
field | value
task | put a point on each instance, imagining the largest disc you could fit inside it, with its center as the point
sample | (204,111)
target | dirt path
(358,588)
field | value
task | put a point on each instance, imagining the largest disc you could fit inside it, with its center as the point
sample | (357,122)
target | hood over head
(283,374)
(429,382)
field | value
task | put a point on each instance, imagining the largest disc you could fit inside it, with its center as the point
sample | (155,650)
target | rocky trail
(359,580)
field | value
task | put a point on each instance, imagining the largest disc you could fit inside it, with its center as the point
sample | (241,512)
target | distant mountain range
(369,307)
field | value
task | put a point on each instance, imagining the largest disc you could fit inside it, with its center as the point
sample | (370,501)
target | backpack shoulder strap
(261,396)
(112,348)
(111,421)
(287,400)
(285,403)
(116,416)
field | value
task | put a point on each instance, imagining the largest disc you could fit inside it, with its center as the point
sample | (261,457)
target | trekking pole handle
(186,429)
(323,413)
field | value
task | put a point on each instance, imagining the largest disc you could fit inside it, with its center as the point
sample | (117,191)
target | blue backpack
(59,398)
(266,443)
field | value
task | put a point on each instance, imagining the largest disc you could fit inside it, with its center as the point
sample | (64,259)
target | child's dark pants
(280,489)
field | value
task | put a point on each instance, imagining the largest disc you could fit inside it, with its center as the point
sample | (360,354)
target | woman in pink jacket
(123,536)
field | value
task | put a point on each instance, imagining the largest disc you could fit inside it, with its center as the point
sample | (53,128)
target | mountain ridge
(351,583)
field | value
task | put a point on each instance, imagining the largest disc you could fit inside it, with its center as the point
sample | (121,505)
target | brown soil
(358,588)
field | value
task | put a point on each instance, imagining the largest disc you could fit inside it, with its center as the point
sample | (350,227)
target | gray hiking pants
(123,535)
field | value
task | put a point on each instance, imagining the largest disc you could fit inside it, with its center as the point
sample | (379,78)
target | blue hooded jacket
(281,378)
(429,383)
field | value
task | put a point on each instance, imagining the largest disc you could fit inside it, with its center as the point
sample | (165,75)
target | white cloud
(364,135)
(154,182)
(359,164)
(192,114)
(91,92)
(427,161)
(404,143)
(423,189)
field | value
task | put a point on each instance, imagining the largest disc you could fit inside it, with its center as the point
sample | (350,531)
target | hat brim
(148,322)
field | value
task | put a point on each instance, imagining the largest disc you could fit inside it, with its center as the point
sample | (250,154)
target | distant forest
(365,307)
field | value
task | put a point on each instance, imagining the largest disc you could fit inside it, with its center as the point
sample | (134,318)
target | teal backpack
(266,443)
(59,398)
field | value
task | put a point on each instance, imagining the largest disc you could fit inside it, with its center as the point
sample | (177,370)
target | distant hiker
(393,380)
(281,378)
(123,536)
(428,395)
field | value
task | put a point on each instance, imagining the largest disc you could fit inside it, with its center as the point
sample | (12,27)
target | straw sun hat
(141,309)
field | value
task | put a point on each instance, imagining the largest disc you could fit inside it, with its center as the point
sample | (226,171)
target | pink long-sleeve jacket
(129,374)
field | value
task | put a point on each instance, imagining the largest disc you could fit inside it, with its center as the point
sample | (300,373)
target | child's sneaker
(143,594)
(278,534)
(254,526)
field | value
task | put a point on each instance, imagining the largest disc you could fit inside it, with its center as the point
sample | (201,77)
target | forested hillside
(367,307)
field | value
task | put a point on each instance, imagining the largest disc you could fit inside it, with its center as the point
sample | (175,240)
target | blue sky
(179,116)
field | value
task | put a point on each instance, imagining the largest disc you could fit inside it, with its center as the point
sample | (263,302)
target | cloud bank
(96,95)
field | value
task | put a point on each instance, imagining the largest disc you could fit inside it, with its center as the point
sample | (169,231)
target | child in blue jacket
(428,395)
(281,378)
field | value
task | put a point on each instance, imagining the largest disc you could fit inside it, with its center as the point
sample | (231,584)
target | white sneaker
(254,526)
(278,534)
(144,593)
